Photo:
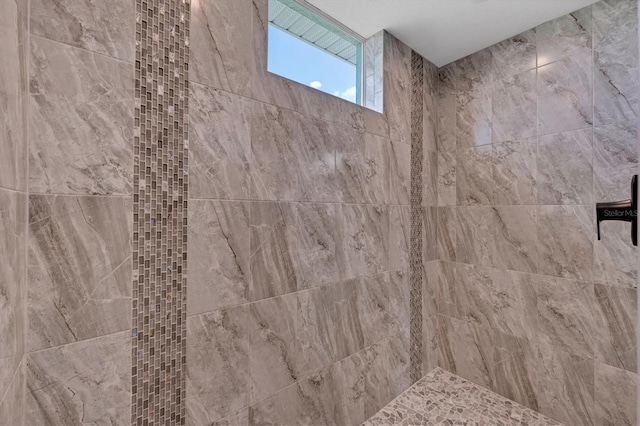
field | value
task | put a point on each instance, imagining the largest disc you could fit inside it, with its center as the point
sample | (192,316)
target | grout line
(84,49)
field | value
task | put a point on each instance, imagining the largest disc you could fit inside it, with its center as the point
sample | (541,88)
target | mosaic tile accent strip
(415,255)
(160,212)
(444,398)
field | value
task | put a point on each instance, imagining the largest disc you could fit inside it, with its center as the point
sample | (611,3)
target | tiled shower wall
(532,132)
(299,225)
(13,203)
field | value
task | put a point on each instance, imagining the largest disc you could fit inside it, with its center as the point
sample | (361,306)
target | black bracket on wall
(626,211)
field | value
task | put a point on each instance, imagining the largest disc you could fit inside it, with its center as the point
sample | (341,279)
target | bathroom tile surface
(444,398)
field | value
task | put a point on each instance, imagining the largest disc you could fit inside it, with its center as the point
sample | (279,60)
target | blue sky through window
(297,60)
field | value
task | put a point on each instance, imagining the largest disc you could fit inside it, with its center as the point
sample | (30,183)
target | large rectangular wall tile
(399,155)
(220,44)
(218,347)
(363,169)
(277,409)
(514,230)
(616,394)
(514,107)
(12,406)
(80,268)
(614,256)
(473,116)
(466,350)
(105,28)
(13,99)
(366,238)
(474,176)
(565,95)
(219,242)
(220,144)
(84,383)
(515,54)
(565,241)
(566,36)
(274,358)
(565,169)
(475,242)
(81,123)
(295,246)
(514,172)
(615,160)
(614,21)
(446,109)
(446,189)
(447,296)
(12,284)
(293,155)
(397,86)
(386,373)
(615,342)
(447,227)
(399,236)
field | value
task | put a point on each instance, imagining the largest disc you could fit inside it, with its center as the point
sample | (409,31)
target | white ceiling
(445,30)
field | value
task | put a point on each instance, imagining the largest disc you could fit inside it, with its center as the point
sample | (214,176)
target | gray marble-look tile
(81,124)
(218,347)
(616,394)
(429,343)
(615,341)
(447,225)
(373,306)
(496,299)
(293,155)
(13,99)
(614,21)
(447,299)
(474,71)
(474,176)
(399,298)
(515,54)
(429,233)
(430,178)
(566,36)
(84,383)
(566,314)
(366,239)
(375,122)
(446,179)
(374,72)
(614,256)
(220,45)
(219,144)
(514,231)
(565,169)
(239,418)
(295,246)
(466,350)
(616,87)
(565,95)
(615,160)
(514,172)
(333,396)
(430,107)
(514,107)
(386,373)
(473,115)
(397,84)
(363,168)
(565,241)
(277,409)
(12,405)
(399,155)
(446,105)
(273,348)
(12,284)
(399,236)
(100,27)
(219,243)
(79,268)
(475,242)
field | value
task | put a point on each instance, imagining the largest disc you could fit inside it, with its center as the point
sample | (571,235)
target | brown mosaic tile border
(415,255)
(160,212)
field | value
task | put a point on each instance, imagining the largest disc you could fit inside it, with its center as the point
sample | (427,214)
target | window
(306,47)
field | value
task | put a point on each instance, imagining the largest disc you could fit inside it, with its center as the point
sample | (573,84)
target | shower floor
(444,398)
